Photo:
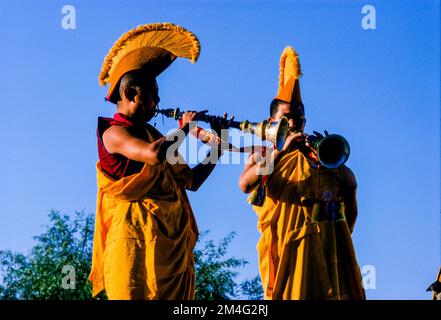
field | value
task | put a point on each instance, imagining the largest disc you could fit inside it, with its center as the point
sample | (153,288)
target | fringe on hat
(289,66)
(173,38)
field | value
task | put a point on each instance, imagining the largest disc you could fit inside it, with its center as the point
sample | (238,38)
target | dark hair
(131,79)
(274,106)
(297,108)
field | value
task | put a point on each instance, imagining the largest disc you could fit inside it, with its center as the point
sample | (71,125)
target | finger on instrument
(318,134)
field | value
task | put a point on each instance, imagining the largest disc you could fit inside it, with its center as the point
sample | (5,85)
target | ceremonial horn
(275,132)
(332,151)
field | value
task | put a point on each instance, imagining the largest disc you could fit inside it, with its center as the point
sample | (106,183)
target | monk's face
(294,113)
(147,101)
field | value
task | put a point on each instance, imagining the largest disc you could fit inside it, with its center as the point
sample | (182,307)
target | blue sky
(378,88)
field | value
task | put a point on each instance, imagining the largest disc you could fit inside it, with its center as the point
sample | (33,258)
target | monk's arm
(350,195)
(351,205)
(250,175)
(257,164)
(117,139)
(204,169)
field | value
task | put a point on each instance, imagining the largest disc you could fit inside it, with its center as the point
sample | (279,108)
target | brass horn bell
(333,150)
(275,132)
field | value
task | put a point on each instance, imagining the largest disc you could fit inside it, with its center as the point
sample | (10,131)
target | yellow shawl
(145,233)
(301,257)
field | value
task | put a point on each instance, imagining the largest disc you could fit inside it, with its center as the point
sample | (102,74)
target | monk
(307,212)
(145,230)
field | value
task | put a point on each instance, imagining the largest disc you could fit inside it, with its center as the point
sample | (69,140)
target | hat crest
(289,74)
(164,37)
(152,46)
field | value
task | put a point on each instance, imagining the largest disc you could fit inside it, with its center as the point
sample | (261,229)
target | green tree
(215,274)
(252,289)
(66,245)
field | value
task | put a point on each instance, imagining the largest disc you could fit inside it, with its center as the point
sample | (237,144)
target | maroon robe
(117,165)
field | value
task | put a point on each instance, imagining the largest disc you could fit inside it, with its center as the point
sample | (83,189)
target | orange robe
(303,254)
(145,233)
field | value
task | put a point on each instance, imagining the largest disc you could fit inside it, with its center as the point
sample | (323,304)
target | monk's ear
(130,93)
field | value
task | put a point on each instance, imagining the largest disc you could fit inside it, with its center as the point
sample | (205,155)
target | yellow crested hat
(151,47)
(289,74)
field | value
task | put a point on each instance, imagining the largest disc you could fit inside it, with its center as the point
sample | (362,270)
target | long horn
(275,132)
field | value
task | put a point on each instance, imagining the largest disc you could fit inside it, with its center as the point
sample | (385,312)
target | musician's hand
(318,134)
(186,118)
(310,139)
(293,138)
